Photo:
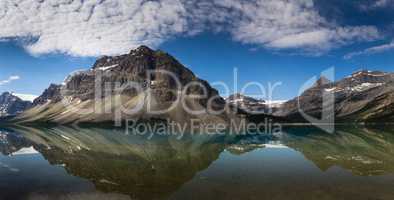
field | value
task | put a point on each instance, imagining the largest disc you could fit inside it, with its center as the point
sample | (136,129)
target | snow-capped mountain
(159,91)
(12,105)
(363,96)
(252,105)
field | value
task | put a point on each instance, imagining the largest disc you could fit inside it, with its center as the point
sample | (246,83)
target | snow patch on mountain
(365,86)
(367,73)
(330,89)
(275,103)
(357,88)
(105,68)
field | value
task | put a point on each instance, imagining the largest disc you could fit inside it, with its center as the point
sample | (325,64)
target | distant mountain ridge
(12,105)
(252,105)
(364,96)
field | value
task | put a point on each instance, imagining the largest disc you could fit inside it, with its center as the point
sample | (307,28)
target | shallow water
(300,163)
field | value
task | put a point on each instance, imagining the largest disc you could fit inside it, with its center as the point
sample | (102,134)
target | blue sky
(298,40)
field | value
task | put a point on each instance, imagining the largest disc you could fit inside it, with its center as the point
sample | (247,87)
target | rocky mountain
(255,110)
(144,77)
(147,80)
(52,93)
(364,96)
(247,103)
(12,105)
(252,105)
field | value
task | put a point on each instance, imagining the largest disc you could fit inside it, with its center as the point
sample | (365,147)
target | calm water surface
(301,163)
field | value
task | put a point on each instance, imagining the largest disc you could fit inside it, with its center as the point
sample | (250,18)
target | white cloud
(91,27)
(371,50)
(382,3)
(25,97)
(376,4)
(293,24)
(9,80)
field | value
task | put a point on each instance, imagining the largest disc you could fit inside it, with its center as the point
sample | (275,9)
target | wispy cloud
(376,4)
(371,50)
(382,3)
(9,80)
(91,28)
(291,25)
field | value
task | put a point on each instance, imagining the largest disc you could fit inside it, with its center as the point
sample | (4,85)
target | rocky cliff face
(251,105)
(246,103)
(142,66)
(12,105)
(52,93)
(362,97)
(154,78)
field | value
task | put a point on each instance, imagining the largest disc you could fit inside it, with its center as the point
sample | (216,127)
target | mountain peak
(142,49)
(156,73)
(143,52)
(5,94)
(321,81)
(52,93)
(10,96)
(12,105)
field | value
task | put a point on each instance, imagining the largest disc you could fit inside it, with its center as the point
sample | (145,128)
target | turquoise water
(300,163)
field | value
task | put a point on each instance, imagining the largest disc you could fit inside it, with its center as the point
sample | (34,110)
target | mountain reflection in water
(93,163)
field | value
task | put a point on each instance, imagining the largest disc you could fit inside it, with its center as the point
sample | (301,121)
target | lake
(40,163)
